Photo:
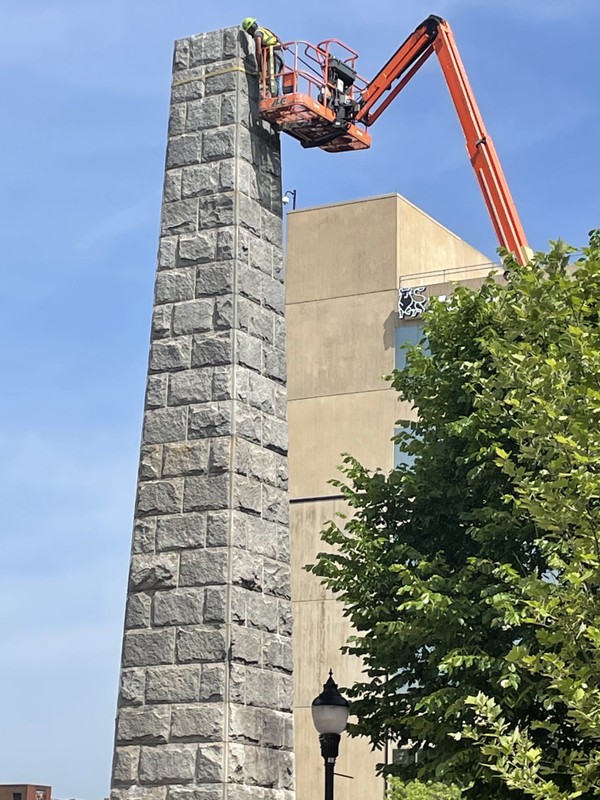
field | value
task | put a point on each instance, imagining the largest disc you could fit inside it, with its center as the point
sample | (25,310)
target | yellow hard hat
(248,23)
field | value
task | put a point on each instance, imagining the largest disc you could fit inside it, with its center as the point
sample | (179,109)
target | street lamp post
(293,193)
(330,715)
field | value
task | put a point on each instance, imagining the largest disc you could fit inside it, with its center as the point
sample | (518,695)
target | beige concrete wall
(319,631)
(322,428)
(426,247)
(344,264)
(340,250)
(341,345)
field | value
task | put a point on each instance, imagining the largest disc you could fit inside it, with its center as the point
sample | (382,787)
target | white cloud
(120,222)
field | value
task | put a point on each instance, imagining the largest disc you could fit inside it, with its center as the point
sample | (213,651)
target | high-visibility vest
(268,37)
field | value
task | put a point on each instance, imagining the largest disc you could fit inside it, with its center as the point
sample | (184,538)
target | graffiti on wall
(412,301)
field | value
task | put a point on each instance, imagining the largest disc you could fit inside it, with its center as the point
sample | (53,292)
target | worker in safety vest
(266,43)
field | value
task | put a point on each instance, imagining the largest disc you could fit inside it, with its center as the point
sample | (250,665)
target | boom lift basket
(313,93)
(319,98)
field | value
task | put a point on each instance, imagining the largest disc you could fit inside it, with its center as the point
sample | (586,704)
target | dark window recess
(17,796)
(407,333)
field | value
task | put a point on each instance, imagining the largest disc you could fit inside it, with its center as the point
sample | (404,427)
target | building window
(409,331)
(17,796)
(400,456)
(412,332)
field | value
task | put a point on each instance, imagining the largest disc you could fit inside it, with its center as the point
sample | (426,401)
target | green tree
(472,575)
(417,790)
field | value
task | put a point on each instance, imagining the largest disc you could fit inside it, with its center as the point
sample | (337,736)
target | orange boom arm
(435,34)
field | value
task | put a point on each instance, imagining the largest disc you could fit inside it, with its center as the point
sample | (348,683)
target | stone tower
(205,699)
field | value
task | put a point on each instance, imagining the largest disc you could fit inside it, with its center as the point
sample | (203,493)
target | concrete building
(344,266)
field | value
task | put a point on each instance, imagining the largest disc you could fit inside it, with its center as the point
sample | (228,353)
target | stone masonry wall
(204,710)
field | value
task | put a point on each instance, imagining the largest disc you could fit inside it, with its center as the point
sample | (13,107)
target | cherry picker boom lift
(319,98)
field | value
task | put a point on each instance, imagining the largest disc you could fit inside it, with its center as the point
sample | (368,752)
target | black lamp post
(330,715)
(293,193)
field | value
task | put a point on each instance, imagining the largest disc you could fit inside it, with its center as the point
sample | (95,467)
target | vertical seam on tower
(234,290)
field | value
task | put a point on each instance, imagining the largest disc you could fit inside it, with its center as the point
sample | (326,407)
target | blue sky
(85,86)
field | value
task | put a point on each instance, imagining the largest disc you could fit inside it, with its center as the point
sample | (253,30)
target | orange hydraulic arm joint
(434,34)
